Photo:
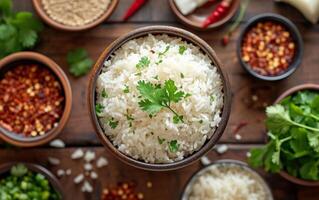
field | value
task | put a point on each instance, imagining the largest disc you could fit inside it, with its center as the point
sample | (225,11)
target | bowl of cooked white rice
(226,180)
(159,98)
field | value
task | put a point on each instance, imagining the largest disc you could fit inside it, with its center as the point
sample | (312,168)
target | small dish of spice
(270,47)
(74,15)
(41,108)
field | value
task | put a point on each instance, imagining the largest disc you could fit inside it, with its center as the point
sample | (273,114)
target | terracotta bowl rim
(190,37)
(54,182)
(284,174)
(196,26)
(244,165)
(21,141)
(46,18)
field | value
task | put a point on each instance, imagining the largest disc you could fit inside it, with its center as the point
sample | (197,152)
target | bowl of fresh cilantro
(28,181)
(158,98)
(292,148)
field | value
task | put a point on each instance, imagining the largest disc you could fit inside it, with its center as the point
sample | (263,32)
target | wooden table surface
(168,185)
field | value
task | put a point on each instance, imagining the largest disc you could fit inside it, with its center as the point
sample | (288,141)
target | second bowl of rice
(158,98)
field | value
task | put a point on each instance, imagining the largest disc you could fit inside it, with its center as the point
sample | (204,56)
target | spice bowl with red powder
(270,47)
(35,99)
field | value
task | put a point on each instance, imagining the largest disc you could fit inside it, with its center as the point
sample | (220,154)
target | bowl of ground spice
(270,47)
(74,15)
(35,99)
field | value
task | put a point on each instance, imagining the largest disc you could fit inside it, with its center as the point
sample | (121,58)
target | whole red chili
(133,8)
(31,100)
(218,13)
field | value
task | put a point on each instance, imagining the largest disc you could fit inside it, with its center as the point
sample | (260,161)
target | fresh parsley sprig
(155,97)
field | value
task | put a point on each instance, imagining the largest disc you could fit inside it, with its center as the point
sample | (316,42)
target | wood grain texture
(168,185)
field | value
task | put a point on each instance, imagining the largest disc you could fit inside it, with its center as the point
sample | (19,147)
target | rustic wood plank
(159,11)
(166,185)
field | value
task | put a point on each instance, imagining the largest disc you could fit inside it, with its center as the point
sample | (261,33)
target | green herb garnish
(164,52)
(18,30)
(99,108)
(157,97)
(19,170)
(104,94)
(182,75)
(159,62)
(181,50)
(293,145)
(79,62)
(143,62)
(201,121)
(112,123)
(138,74)
(160,140)
(126,89)
(173,146)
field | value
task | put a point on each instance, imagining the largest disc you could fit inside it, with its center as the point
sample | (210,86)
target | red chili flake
(31,100)
(122,191)
(239,126)
(268,48)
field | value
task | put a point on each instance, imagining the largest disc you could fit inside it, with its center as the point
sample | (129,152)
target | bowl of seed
(74,15)
(35,99)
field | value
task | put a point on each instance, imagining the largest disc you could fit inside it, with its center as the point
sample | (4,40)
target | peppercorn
(268,48)
(39,105)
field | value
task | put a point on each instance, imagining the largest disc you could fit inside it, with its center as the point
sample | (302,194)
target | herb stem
(304,126)
(175,113)
(314,117)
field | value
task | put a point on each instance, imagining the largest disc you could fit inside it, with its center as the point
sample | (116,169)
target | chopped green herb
(201,121)
(159,62)
(143,62)
(212,97)
(104,94)
(157,97)
(182,75)
(182,49)
(177,119)
(160,140)
(126,89)
(187,95)
(99,108)
(18,30)
(173,146)
(138,74)
(164,52)
(79,62)
(112,123)
(156,77)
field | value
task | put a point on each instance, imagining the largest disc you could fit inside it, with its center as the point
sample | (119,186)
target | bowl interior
(196,18)
(295,36)
(189,37)
(43,14)
(5,170)
(188,187)
(14,135)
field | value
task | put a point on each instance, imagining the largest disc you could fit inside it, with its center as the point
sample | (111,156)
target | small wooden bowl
(188,187)
(196,19)
(47,19)
(176,32)
(32,57)
(56,185)
(307,86)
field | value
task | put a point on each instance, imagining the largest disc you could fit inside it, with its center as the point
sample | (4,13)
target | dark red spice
(137,4)
(122,191)
(239,126)
(31,100)
(218,13)
(268,48)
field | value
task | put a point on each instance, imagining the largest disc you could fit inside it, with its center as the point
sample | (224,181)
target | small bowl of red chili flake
(270,47)
(35,99)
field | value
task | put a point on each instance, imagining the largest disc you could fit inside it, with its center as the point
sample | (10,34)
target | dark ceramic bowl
(171,31)
(32,57)
(289,92)
(295,36)
(188,187)
(54,182)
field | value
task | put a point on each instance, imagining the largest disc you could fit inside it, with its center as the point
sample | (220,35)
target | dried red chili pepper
(137,4)
(218,13)
(39,104)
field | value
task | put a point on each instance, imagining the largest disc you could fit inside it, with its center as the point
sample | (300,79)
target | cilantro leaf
(182,49)
(177,119)
(79,62)
(164,52)
(113,123)
(143,62)
(173,146)
(310,170)
(160,140)
(7,31)
(5,8)
(126,89)
(28,37)
(104,94)
(99,108)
